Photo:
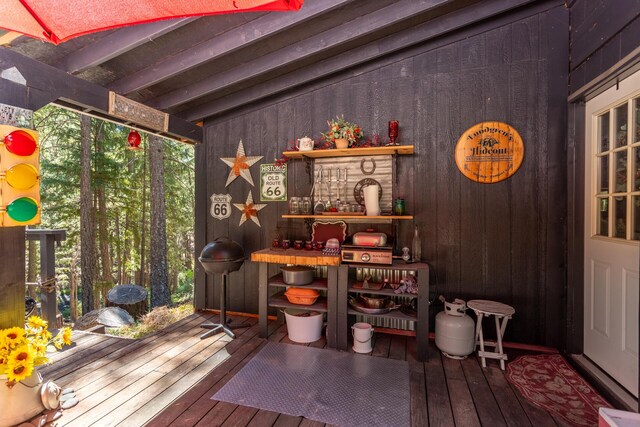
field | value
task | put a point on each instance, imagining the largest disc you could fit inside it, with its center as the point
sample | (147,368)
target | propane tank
(455,331)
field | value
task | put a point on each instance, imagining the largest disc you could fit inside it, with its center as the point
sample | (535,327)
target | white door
(612,231)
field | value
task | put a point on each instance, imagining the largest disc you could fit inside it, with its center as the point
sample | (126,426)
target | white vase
(21,402)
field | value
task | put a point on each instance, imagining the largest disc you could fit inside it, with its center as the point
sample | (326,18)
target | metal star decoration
(240,165)
(249,210)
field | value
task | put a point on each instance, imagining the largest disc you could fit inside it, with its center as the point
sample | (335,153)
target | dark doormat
(548,382)
(329,386)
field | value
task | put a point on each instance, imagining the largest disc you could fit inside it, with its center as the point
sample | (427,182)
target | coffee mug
(304,144)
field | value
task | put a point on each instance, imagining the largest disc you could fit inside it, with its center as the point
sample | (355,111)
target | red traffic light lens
(20,143)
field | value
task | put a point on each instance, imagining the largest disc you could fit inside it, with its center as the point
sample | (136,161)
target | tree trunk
(87,260)
(173,281)
(188,252)
(126,251)
(159,273)
(106,275)
(73,287)
(118,250)
(96,278)
(143,228)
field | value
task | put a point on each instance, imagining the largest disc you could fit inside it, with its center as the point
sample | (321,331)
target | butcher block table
(298,257)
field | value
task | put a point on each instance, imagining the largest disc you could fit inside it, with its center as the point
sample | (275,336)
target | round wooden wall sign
(489,152)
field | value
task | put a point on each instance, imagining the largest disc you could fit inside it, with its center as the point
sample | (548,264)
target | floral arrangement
(22,349)
(340,128)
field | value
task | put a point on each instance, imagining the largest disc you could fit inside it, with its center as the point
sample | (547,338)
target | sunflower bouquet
(22,349)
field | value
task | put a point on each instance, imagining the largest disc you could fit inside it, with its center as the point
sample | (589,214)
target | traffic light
(19,177)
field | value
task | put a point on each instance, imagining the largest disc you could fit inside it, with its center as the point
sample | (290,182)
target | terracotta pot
(341,143)
(20,402)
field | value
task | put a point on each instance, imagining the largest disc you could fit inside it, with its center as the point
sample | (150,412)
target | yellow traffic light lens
(23,209)
(22,176)
(20,143)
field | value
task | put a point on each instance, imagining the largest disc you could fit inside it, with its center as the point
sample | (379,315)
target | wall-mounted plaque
(15,116)
(220,206)
(135,112)
(273,183)
(489,152)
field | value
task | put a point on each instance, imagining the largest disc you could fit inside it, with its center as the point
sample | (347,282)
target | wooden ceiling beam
(117,43)
(224,44)
(436,30)
(46,84)
(365,25)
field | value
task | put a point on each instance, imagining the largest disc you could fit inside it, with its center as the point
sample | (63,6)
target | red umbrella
(59,20)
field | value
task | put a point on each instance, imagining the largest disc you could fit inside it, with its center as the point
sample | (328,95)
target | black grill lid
(221,249)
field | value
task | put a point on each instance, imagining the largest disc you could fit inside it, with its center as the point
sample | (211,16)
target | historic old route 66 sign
(273,183)
(220,206)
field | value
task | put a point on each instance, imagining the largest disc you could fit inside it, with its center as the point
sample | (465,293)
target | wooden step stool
(502,314)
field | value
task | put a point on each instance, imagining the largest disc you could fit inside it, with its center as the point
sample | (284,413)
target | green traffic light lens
(23,209)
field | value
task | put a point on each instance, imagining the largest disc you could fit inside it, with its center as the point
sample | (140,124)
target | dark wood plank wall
(12,251)
(602,33)
(504,241)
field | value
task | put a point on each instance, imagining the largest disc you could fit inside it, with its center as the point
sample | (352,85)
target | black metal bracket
(394,170)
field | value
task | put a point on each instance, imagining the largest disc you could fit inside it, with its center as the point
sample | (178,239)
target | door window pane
(603,132)
(603,175)
(603,216)
(635,218)
(616,163)
(621,125)
(636,114)
(621,171)
(620,217)
(635,167)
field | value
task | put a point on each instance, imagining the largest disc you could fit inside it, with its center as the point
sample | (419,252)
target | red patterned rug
(549,382)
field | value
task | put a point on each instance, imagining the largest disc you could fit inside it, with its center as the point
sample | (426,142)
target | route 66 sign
(220,206)
(273,183)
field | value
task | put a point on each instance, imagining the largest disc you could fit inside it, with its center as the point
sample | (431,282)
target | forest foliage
(120,208)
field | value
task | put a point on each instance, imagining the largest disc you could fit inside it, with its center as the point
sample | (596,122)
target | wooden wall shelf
(366,151)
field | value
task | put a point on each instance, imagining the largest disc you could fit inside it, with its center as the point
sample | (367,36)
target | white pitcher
(304,144)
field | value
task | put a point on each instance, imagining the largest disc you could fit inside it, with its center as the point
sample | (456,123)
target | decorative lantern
(134,140)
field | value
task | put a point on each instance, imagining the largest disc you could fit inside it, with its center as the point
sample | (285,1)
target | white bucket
(303,329)
(362,334)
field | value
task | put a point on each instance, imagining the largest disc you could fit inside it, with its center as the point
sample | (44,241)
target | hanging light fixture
(134,140)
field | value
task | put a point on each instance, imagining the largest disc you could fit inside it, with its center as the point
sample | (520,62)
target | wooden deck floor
(169,378)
